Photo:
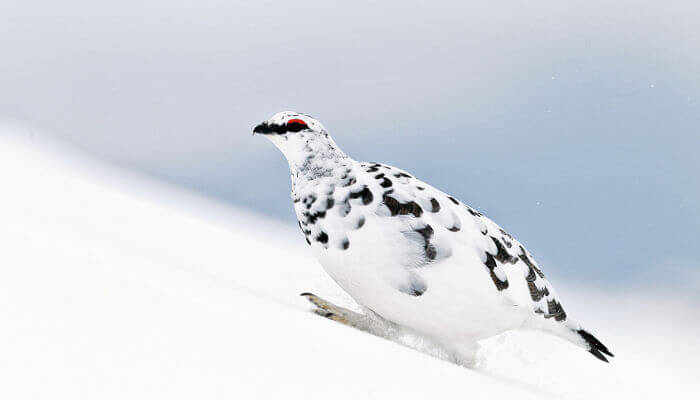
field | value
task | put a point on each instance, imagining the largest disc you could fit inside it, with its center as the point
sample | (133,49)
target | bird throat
(319,159)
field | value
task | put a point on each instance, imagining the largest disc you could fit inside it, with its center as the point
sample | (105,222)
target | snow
(112,286)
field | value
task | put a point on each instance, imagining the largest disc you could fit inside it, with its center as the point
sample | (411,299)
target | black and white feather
(411,253)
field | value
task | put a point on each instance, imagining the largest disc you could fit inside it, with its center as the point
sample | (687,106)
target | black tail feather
(595,346)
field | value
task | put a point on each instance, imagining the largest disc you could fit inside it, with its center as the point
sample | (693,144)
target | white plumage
(411,255)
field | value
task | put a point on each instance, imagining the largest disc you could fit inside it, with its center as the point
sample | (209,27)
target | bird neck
(317,158)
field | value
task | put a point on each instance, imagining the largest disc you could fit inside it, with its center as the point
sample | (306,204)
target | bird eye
(295,125)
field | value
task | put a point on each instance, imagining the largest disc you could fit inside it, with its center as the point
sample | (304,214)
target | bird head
(299,137)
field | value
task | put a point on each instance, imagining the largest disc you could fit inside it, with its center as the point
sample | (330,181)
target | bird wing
(435,223)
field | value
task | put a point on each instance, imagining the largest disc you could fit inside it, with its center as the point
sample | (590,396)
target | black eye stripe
(296,127)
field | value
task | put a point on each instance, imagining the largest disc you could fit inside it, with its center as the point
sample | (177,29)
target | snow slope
(115,287)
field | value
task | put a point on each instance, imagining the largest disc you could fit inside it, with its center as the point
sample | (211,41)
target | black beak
(261,128)
(266,128)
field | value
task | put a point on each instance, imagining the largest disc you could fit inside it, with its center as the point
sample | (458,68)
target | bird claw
(327,309)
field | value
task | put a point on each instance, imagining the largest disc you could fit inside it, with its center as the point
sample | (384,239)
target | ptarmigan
(413,257)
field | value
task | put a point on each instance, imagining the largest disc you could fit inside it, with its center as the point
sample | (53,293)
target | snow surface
(112,286)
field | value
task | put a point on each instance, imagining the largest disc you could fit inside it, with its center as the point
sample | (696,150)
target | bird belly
(460,301)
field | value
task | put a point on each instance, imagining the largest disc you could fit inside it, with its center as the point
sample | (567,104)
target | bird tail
(573,332)
(594,345)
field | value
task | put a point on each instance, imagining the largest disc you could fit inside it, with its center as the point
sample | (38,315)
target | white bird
(414,258)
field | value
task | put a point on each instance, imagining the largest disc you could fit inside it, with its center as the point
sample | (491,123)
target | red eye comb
(296,121)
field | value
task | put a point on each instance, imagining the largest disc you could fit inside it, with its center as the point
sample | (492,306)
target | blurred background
(574,125)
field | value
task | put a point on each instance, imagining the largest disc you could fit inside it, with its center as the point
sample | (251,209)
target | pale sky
(575,126)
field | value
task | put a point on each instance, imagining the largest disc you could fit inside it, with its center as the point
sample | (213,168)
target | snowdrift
(112,286)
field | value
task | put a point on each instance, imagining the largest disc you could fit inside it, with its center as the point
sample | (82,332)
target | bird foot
(368,321)
(329,310)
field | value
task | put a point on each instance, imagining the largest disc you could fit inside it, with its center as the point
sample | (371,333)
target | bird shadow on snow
(499,344)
